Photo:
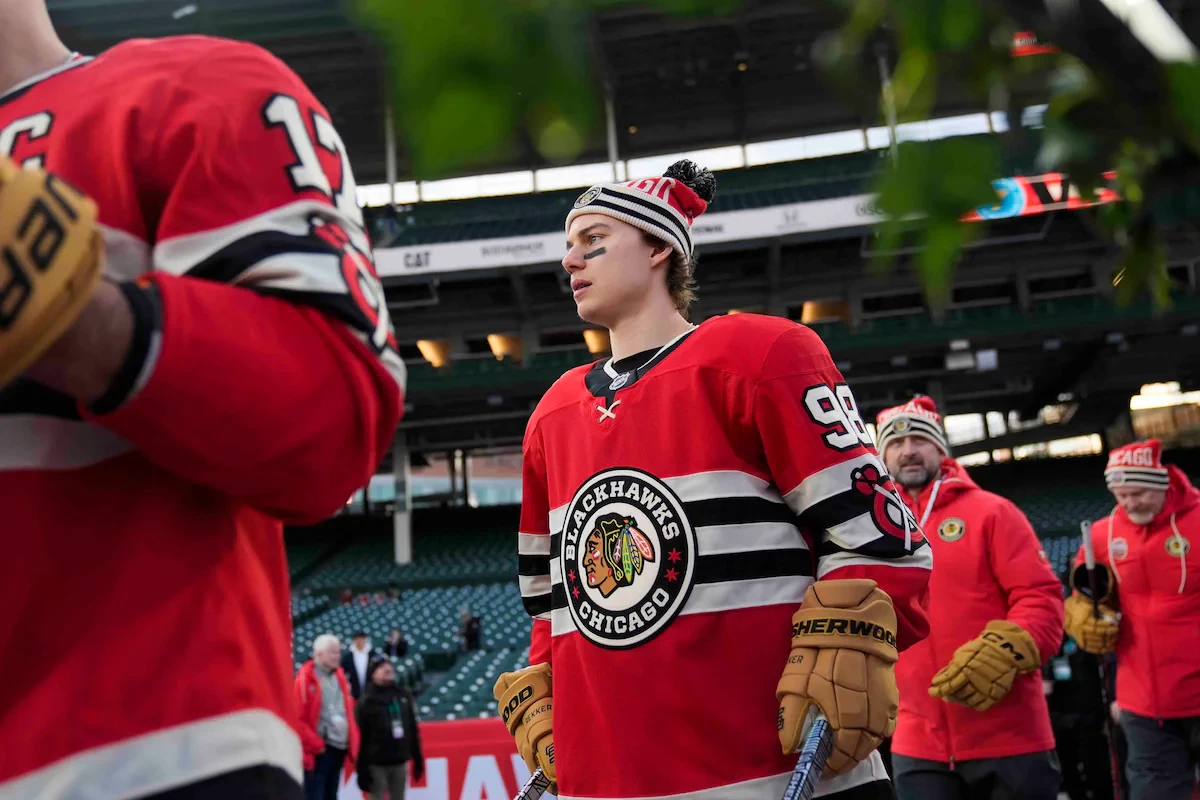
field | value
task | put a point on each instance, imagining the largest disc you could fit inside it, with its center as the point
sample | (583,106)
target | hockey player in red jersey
(217,360)
(680,501)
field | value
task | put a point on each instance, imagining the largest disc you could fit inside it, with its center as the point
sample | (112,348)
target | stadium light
(504,346)
(814,311)
(597,340)
(436,352)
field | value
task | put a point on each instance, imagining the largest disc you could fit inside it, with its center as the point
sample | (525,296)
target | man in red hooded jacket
(326,721)
(973,720)
(1146,544)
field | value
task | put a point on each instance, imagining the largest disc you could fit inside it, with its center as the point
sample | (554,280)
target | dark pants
(876,790)
(1034,776)
(326,776)
(252,783)
(388,781)
(1162,756)
(1087,772)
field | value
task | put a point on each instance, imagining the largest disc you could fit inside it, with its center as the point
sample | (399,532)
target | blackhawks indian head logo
(615,553)
(627,554)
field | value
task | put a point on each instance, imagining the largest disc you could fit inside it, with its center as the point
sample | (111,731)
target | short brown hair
(681,275)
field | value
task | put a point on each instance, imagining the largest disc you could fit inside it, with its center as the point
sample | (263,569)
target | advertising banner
(473,759)
(1016,197)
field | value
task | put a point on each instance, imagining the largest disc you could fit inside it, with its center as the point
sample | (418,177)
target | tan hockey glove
(981,672)
(843,659)
(1096,635)
(50,260)
(525,705)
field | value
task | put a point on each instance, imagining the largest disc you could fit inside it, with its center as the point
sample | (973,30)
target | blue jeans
(1162,756)
(326,776)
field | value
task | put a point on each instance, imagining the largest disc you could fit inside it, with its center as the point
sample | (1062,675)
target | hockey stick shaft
(1114,764)
(535,787)
(818,742)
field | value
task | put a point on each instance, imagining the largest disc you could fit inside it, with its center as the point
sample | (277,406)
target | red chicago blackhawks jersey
(144,609)
(672,518)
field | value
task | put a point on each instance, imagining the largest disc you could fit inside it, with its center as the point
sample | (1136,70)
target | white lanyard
(932,500)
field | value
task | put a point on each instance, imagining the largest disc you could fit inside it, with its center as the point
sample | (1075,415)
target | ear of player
(50,261)
(843,659)
(526,706)
(982,671)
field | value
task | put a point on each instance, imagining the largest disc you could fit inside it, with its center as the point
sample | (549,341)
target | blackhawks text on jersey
(672,518)
(144,565)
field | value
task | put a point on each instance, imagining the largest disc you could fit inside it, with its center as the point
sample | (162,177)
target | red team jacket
(1158,593)
(308,700)
(144,583)
(990,565)
(672,518)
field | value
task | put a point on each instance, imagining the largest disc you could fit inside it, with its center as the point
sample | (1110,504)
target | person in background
(973,721)
(326,723)
(387,722)
(356,660)
(397,645)
(1144,548)
(470,630)
(1077,712)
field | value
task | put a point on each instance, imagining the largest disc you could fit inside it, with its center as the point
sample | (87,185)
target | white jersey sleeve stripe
(533,544)
(827,483)
(748,536)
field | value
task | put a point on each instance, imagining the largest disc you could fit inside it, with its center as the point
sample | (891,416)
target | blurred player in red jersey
(222,362)
(680,500)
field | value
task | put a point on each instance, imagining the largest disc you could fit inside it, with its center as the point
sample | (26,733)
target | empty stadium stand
(467,691)
(464,557)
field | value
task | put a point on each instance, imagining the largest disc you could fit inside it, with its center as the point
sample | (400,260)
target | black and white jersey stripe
(828,501)
(276,253)
(533,573)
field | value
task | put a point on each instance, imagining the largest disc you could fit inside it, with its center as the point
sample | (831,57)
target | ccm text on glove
(982,671)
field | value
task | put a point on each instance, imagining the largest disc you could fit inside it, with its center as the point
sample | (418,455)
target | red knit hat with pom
(1137,464)
(664,207)
(917,417)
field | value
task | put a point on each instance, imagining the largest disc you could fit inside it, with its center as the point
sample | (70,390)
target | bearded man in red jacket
(973,721)
(1145,545)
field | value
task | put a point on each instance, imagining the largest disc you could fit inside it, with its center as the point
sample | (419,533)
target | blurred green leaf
(917,186)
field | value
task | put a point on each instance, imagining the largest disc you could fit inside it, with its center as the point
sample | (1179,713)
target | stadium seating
(467,690)
(306,606)
(1062,508)
(467,557)
(1061,551)
(429,619)
(303,555)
